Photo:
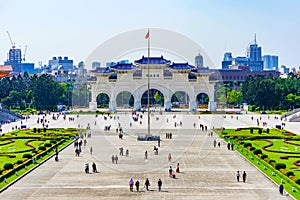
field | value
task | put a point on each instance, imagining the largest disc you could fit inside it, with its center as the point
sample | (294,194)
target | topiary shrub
(251,130)
(53,142)
(34,151)
(272,162)
(257,151)
(19,162)
(247,144)
(263,156)
(290,173)
(252,148)
(268,130)
(279,166)
(260,131)
(42,148)
(8,166)
(34,130)
(47,145)
(27,155)
(298,181)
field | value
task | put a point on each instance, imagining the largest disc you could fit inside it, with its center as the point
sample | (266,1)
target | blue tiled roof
(125,66)
(152,60)
(192,76)
(202,71)
(101,70)
(181,66)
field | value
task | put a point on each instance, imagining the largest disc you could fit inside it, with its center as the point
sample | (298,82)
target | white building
(176,83)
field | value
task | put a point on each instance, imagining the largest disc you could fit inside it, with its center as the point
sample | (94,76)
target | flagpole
(148,83)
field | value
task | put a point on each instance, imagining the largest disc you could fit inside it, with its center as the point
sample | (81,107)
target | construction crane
(24,54)
(12,43)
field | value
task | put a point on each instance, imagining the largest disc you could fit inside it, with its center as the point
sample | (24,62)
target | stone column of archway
(193,102)
(137,100)
(212,105)
(167,98)
(112,99)
(93,102)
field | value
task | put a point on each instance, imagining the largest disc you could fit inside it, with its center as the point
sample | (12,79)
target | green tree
(234,97)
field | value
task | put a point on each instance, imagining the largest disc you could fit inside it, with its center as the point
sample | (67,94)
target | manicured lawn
(38,144)
(277,146)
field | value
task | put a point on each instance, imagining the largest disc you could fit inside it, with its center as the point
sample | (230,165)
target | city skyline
(76,28)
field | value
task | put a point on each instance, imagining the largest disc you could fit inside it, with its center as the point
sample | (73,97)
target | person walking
(159,184)
(244,177)
(146,155)
(238,176)
(131,182)
(137,185)
(86,168)
(281,188)
(94,167)
(170,171)
(91,150)
(147,184)
(169,157)
(116,159)
(177,169)
(113,159)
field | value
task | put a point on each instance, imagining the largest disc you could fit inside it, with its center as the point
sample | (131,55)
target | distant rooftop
(152,60)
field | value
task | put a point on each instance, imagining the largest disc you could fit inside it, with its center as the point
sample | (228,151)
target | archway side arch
(124,99)
(102,100)
(202,100)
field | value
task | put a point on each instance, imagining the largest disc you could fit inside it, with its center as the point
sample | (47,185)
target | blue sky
(75,28)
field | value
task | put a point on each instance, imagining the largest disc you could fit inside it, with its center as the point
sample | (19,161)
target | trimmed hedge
(257,151)
(247,144)
(27,155)
(42,148)
(252,148)
(298,181)
(19,162)
(263,156)
(8,166)
(47,145)
(290,173)
(279,166)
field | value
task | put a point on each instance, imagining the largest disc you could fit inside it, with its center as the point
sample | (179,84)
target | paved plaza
(206,172)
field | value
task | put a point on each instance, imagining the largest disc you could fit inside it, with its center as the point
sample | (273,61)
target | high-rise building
(270,62)
(241,61)
(199,61)
(254,55)
(58,62)
(96,64)
(227,60)
(14,59)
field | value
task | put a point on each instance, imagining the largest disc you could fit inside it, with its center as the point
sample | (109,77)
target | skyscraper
(14,59)
(199,61)
(227,60)
(254,55)
(270,62)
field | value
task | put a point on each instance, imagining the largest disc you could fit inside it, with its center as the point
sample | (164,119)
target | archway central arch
(156,98)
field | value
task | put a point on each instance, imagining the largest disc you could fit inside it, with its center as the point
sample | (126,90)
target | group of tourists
(238,175)
(114,159)
(94,167)
(171,172)
(146,184)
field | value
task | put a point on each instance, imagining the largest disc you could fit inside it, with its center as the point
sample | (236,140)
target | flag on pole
(147,35)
